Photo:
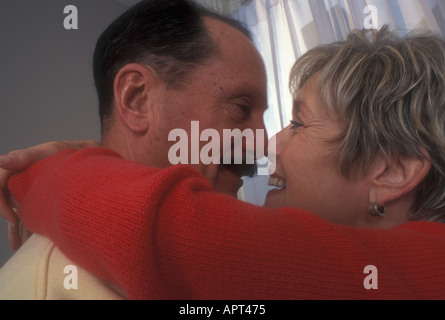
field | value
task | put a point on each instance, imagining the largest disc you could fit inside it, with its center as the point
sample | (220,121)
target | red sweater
(165,234)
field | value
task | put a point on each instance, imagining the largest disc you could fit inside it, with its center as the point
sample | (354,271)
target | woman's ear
(132,87)
(391,179)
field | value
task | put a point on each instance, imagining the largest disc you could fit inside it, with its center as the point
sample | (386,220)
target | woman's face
(306,165)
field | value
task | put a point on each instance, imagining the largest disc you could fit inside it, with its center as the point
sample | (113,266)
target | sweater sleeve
(164,234)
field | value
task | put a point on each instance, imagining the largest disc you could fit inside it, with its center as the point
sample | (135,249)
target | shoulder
(40,271)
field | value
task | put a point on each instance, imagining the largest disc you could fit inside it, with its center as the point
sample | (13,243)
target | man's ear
(391,179)
(132,86)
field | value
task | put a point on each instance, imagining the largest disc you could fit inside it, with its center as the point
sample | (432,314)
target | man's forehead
(235,45)
(218,28)
(227,36)
(241,66)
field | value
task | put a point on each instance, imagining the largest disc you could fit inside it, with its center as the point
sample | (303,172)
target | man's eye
(296,124)
(244,109)
(242,112)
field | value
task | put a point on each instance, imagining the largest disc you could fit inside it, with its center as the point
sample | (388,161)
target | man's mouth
(242,170)
(229,178)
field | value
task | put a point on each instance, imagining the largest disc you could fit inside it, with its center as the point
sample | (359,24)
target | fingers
(14,232)
(14,237)
(24,234)
(17,235)
(6,208)
(7,213)
(14,203)
(18,160)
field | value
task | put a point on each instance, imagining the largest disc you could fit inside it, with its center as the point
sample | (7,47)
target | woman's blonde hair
(390,93)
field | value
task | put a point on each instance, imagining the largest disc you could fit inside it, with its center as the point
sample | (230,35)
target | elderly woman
(365,148)
(366,145)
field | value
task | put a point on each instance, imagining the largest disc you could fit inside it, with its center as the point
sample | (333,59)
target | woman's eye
(296,124)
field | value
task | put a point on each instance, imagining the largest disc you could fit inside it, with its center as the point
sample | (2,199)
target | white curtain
(283,30)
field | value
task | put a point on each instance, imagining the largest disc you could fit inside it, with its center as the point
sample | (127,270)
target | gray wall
(46,84)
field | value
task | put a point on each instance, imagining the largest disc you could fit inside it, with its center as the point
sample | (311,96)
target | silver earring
(375,210)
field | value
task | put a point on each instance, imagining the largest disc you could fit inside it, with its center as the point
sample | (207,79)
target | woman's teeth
(276,182)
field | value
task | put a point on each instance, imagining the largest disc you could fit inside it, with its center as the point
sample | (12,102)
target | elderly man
(158,67)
